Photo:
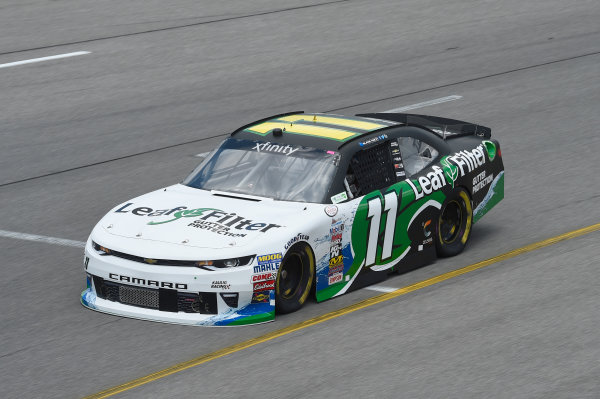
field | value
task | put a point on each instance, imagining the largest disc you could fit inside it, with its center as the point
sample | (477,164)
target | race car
(291,206)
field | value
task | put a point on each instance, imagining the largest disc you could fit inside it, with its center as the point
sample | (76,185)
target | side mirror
(202,156)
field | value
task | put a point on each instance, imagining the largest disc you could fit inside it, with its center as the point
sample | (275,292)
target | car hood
(204,219)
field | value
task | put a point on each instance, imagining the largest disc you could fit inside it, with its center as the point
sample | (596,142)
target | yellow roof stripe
(342,122)
(310,130)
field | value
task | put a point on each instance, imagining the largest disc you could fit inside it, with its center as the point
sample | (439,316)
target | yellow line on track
(337,313)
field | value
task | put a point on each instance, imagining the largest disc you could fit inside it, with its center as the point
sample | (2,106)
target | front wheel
(294,278)
(454,224)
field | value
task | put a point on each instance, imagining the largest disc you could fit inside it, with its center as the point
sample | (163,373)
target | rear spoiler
(443,127)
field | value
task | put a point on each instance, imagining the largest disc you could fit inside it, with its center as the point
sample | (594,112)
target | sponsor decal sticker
(335,278)
(463,161)
(264,286)
(481,180)
(267,263)
(450,170)
(336,226)
(336,259)
(215,228)
(287,150)
(299,237)
(426,227)
(340,197)
(233,221)
(260,297)
(263,259)
(257,278)
(433,181)
(339,268)
(220,284)
(215,216)
(331,210)
(453,166)
(147,283)
(373,140)
(176,213)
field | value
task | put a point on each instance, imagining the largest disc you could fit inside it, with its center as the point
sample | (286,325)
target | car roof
(324,131)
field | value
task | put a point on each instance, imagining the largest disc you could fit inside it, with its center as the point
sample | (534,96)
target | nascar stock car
(291,206)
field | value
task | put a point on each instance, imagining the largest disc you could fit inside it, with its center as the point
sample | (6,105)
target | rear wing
(443,127)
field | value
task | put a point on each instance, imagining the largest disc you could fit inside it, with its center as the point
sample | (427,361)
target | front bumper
(171,294)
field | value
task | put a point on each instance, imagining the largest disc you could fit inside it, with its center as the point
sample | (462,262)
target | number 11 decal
(375,216)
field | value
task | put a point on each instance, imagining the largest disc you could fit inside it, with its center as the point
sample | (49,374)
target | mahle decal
(268,263)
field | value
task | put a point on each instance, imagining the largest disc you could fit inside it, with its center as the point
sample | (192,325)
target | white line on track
(52,57)
(424,104)
(44,239)
(380,288)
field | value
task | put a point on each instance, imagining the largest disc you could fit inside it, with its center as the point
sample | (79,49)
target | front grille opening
(231,298)
(163,299)
(143,297)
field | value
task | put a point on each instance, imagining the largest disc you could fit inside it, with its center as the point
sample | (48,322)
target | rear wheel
(454,223)
(294,278)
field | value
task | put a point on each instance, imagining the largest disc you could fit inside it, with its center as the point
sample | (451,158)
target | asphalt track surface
(164,82)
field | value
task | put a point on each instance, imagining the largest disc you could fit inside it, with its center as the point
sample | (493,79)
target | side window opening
(416,154)
(370,169)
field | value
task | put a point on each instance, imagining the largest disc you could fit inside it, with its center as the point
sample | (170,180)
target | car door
(393,218)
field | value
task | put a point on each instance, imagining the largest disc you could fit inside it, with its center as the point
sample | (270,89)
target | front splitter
(254,313)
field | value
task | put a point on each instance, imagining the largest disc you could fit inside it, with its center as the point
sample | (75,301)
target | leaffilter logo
(450,171)
(187,213)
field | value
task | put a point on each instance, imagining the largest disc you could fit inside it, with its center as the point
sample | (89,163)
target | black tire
(454,223)
(294,278)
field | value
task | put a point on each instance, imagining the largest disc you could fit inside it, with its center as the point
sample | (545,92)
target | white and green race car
(293,206)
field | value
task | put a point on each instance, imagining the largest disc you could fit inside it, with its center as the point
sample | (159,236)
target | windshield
(264,169)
